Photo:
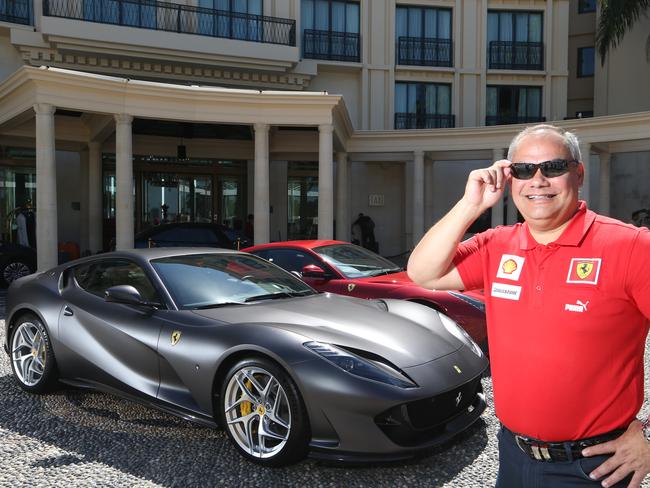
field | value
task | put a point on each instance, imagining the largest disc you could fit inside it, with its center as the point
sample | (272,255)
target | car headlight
(459,333)
(358,366)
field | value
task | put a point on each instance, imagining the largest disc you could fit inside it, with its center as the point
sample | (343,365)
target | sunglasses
(550,169)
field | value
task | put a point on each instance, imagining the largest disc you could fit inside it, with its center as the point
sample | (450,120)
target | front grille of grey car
(418,422)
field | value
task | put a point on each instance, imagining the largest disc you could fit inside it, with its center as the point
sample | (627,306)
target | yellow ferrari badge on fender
(351,286)
(176,337)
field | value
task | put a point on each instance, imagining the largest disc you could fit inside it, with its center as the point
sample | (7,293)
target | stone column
(585,150)
(124,219)
(47,251)
(262,219)
(418,196)
(325,182)
(95,218)
(83,200)
(428,195)
(605,186)
(342,210)
(497,209)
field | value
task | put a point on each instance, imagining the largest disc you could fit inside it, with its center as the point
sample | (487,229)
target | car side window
(289,259)
(97,277)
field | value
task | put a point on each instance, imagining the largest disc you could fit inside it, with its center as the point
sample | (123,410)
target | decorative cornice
(163,70)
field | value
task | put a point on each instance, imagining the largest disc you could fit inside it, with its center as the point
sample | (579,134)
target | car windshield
(356,262)
(220,279)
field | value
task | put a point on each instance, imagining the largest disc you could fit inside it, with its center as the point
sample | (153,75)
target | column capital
(418,154)
(44,109)
(94,145)
(261,127)
(341,155)
(326,128)
(123,119)
(605,157)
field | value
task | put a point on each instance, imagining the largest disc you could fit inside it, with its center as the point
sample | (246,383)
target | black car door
(112,344)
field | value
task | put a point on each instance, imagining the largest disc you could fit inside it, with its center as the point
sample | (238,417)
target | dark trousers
(518,470)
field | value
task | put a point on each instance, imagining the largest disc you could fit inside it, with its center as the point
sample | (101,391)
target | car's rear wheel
(263,413)
(32,358)
(13,270)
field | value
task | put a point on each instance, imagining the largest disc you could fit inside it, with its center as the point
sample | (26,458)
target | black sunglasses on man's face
(550,169)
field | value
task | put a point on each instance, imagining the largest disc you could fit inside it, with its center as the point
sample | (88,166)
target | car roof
(305,244)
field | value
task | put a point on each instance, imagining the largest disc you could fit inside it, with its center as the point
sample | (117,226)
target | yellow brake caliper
(245,407)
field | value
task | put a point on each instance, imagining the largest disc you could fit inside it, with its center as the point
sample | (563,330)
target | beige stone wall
(9,58)
(582,28)
(621,85)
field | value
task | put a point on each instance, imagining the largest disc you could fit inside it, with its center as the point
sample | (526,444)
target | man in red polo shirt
(568,300)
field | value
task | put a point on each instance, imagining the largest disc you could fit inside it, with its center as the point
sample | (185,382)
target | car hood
(407,334)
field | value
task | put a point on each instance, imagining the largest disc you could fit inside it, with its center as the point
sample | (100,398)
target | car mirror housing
(126,294)
(314,271)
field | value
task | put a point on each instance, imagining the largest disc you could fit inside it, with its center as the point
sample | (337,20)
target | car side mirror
(128,295)
(314,271)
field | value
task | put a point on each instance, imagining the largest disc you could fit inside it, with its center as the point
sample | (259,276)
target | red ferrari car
(346,269)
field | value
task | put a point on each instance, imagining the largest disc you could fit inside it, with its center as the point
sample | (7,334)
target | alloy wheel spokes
(257,412)
(28,353)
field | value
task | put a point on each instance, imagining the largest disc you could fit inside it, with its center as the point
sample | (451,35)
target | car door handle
(67,311)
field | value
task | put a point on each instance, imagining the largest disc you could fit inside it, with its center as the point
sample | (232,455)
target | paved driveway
(77,439)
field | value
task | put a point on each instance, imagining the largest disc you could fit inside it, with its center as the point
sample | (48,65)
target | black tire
(12,270)
(33,365)
(271,412)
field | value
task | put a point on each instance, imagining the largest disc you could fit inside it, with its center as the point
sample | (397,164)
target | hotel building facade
(116,115)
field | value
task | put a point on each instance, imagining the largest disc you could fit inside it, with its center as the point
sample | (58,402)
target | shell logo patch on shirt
(510,267)
(584,270)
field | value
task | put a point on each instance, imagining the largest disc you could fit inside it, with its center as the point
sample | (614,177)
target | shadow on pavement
(97,428)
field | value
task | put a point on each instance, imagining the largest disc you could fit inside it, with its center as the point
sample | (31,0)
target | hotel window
(513,105)
(586,6)
(422,105)
(330,30)
(239,22)
(423,36)
(586,58)
(515,40)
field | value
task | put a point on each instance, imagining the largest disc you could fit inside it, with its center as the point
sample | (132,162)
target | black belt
(559,451)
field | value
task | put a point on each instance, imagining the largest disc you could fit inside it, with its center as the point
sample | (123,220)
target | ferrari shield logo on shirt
(584,270)
(510,267)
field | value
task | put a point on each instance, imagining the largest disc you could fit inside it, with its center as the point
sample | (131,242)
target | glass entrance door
(174,197)
(302,207)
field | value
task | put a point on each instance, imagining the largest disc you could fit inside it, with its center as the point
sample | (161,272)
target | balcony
(406,120)
(171,17)
(512,119)
(335,46)
(424,51)
(516,55)
(15,11)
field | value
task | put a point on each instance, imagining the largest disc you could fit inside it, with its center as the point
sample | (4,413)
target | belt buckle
(540,452)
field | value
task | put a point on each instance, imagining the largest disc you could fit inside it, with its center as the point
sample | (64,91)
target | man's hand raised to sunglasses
(486,186)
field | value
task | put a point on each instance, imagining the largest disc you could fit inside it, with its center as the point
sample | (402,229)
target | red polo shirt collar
(572,235)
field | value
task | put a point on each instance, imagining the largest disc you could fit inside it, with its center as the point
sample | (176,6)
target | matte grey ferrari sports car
(226,338)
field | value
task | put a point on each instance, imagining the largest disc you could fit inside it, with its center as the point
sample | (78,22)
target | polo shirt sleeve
(638,272)
(469,260)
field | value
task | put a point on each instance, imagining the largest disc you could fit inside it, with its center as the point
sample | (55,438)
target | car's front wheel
(263,413)
(32,358)
(13,270)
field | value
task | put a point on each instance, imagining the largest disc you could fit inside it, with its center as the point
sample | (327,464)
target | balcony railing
(150,14)
(424,51)
(424,121)
(335,46)
(512,119)
(516,55)
(15,11)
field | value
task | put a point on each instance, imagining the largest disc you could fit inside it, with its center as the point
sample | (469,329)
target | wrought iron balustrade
(186,19)
(15,11)
(424,51)
(512,119)
(404,120)
(516,55)
(332,45)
